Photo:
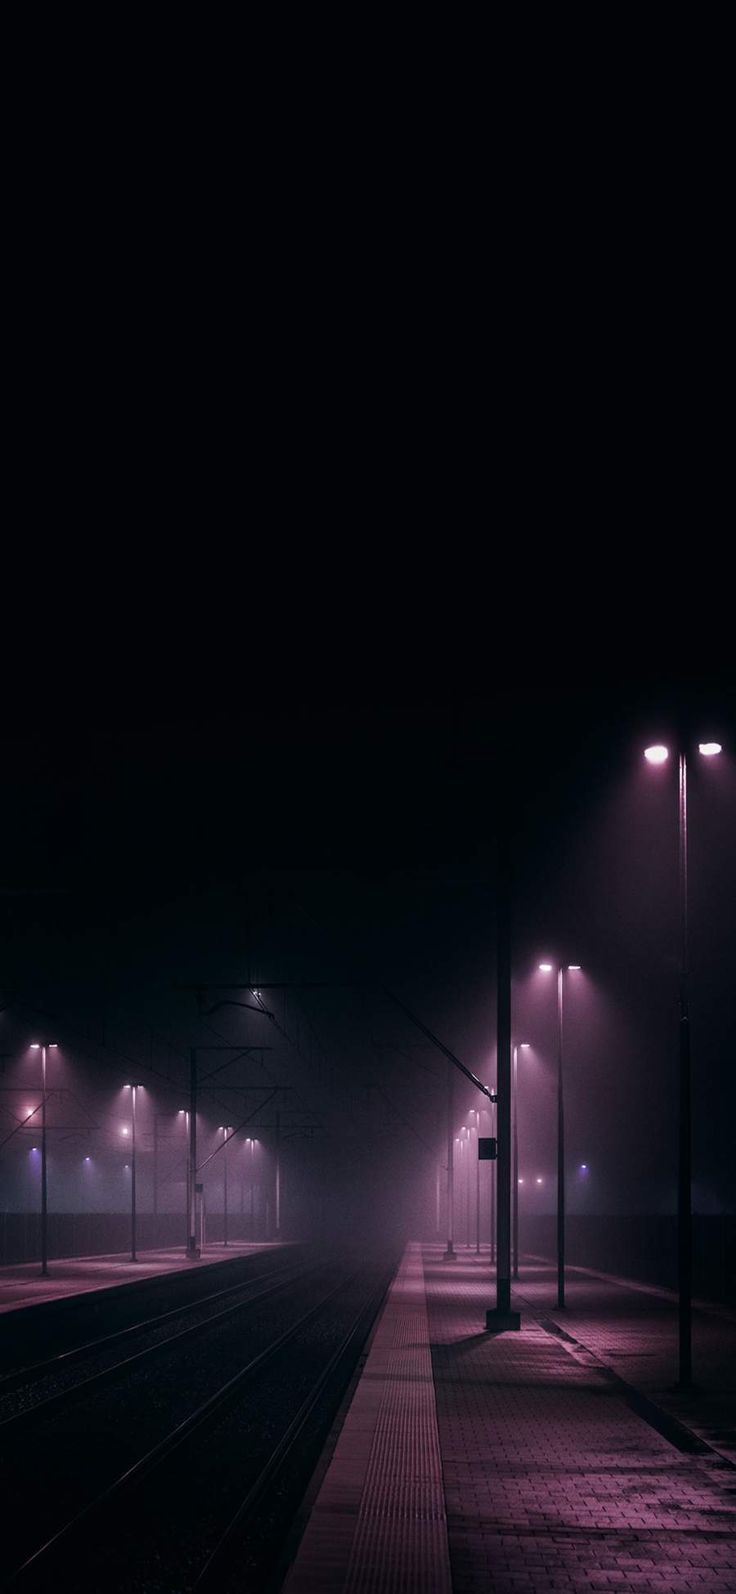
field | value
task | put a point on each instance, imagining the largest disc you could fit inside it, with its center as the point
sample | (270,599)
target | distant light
(524,1046)
(656,755)
(34,1148)
(181,1110)
(124,1129)
(709,749)
(583,1167)
(574,967)
(545,968)
(126,1164)
(540,1181)
(35,1046)
(88,1159)
(521,1181)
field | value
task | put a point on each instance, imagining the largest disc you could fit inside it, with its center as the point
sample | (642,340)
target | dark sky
(229,795)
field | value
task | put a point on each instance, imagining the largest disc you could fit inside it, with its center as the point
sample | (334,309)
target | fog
(331,878)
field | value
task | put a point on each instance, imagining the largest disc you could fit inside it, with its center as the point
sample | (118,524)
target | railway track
(213,1492)
(31,1380)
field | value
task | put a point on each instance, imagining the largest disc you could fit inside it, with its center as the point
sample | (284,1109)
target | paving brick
(514,1462)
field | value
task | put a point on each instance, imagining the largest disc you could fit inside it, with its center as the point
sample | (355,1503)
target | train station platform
(558,1457)
(22,1284)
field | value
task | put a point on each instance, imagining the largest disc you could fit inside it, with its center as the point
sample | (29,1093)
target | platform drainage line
(400,1540)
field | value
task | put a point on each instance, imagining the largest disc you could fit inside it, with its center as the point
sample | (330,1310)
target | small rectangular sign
(487,1148)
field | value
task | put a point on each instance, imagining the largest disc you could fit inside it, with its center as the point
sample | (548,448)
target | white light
(584,1167)
(124,1130)
(35,1046)
(524,1046)
(709,749)
(573,968)
(545,968)
(656,755)
(539,1181)
(521,1181)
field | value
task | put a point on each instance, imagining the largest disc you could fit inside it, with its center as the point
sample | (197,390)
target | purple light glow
(656,755)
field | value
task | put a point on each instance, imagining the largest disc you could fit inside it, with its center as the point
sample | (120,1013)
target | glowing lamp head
(124,1129)
(583,1167)
(545,968)
(35,1046)
(539,1180)
(573,968)
(656,755)
(524,1046)
(709,749)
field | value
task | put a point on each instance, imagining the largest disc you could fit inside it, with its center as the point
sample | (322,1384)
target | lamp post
(659,755)
(449,1254)
(476,1130)
(226,1130)
(521,1046)
(548,968)
(133,1091)
(43,1047)
(252,1191)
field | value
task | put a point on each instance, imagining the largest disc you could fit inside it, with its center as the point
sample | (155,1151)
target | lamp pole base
(499,1322)
(449,1255)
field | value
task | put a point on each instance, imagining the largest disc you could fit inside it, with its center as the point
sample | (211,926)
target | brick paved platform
(471,1462)
(22,1284)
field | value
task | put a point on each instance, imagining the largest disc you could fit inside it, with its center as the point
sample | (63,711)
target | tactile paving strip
(378,1525)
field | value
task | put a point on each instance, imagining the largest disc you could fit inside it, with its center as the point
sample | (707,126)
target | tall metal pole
(192,1250)
(225,1190)
(44,1187)
(252,1190)
(502,1317)
(437,1198)
(468,1159)
(477,1187)
(449,1254)
(133,1256)
(560,1150)
(155,1167)
(515,1171)
(684,1214)
(278,1176)
(493,1195)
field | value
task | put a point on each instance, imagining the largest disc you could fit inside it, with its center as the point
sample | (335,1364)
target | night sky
(308,791)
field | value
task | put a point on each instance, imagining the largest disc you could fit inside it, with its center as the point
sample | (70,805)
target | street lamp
(475,1128)
(133,1090)
(226,1130)
(43,1047)
(548,968)
(522,1046)
(253,1145)
(659,755)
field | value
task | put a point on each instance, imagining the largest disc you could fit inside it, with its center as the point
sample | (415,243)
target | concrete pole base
(449,1255)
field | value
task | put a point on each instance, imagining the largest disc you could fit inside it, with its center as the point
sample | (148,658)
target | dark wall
(99,1234)
(642,1248)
